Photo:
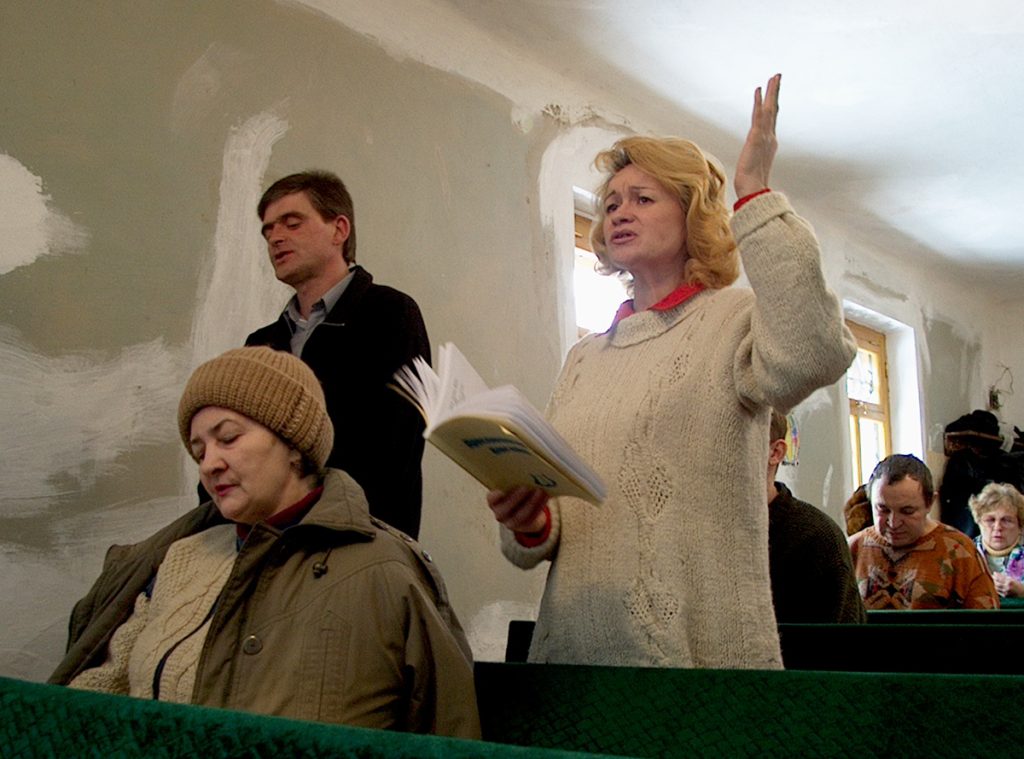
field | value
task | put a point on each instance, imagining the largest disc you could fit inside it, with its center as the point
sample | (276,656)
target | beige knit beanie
(271,387)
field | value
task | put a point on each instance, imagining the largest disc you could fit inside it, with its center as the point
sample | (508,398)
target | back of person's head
(699,185)
(273,388)
(899,466)
(777,427)
(994,495)
(326,193)
(777,446)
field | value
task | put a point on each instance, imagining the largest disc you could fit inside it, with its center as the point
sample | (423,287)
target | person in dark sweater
(809,560)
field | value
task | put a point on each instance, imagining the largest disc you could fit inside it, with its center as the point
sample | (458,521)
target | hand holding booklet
(496,434)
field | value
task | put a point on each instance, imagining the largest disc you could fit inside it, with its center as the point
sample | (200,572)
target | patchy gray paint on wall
(137,135)
(880,289)
(952,374)
(151,150)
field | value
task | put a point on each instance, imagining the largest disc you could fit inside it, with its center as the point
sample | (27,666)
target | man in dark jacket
(811,571)
(354,334)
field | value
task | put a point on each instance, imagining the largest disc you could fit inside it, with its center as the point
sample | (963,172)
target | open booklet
(496,434)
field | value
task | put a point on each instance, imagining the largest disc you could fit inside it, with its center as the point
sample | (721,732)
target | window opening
(597,296)
(867,386)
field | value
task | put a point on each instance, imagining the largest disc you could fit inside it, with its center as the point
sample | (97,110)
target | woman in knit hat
(282,595)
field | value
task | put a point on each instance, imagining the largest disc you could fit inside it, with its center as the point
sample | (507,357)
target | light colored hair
(699,184)
(994,495)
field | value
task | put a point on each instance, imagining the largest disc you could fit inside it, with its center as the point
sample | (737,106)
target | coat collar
(349,302)
(341,508)
(279,335)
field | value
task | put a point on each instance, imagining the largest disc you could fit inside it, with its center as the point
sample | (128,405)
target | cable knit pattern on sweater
(671,408)
(172,623)
(190,579)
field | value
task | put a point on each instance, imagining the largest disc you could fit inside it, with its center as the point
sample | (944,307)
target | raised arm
(798,339)
(754,165)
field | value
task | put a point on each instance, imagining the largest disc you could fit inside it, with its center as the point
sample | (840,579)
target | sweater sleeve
(977,588)
(528,558)
(797,341)
(848,605)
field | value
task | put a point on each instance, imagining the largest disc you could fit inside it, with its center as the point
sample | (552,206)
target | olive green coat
(339,618)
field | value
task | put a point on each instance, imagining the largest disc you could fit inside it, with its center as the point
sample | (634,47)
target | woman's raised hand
(755,162)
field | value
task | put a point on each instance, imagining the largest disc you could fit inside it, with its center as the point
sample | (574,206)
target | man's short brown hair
(327,194)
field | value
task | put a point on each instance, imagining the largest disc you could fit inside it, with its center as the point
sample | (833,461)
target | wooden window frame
(873,341)
(583,224)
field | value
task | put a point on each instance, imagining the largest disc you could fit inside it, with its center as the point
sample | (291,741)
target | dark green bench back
(727,713)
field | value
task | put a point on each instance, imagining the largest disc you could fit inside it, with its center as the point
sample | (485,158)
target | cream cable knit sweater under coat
(671,408)
(173,623)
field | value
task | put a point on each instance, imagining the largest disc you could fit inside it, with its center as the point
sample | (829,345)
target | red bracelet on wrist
(534,539)
(747,198)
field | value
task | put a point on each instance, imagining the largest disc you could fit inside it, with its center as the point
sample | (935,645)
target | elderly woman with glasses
(999,511)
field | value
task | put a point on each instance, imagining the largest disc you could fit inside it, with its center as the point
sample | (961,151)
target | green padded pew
(558,710)
(51,721)
(748,713)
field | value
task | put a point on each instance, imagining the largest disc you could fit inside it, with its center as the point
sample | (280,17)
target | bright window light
(598,296)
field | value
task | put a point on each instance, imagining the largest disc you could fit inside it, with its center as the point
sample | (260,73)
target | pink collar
(682,293)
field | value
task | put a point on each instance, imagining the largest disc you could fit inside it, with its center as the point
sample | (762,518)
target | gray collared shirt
(303,328)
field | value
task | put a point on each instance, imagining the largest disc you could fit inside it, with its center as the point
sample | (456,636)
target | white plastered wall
(130,160)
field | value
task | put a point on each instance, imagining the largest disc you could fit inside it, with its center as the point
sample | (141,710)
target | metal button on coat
(252,645)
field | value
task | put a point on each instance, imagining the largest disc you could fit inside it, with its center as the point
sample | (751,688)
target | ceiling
(902,117)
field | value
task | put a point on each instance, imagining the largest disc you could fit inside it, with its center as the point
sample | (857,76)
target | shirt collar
(682,293)
(327,302)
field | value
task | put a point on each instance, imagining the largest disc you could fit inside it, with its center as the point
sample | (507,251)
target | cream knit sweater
(172,625)
(671,408)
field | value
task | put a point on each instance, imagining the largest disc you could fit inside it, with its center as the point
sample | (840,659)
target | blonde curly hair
(700,185)
(994,495)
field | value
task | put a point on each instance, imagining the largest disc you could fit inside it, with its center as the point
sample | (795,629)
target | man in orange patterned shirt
(907,560)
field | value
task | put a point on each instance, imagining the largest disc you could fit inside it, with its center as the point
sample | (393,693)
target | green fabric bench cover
(51,721)
(553,710)
(747,713)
